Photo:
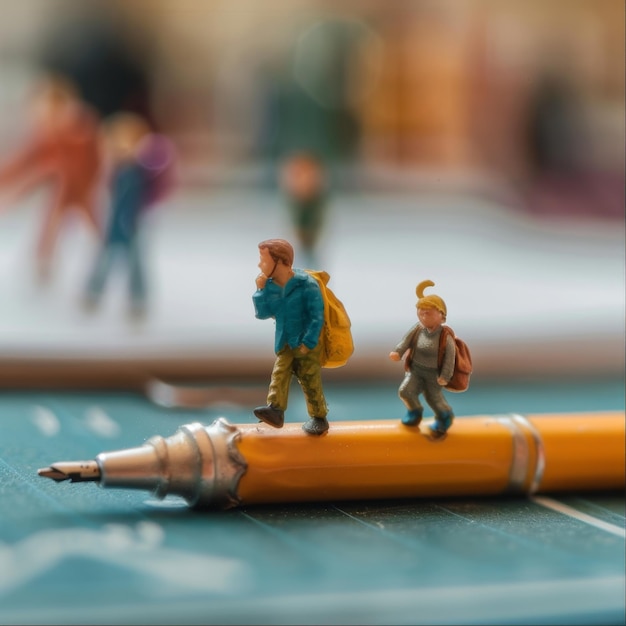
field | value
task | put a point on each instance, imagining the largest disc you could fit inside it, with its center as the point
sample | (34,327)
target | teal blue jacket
(298,309)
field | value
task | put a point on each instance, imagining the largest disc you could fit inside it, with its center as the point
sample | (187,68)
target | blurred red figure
(63,151)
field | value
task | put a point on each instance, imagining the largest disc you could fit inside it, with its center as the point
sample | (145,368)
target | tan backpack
(462,363)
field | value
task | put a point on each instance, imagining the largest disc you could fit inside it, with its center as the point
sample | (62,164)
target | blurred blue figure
(142,175)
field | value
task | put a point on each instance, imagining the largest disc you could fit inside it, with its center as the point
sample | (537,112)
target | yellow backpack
(336,337)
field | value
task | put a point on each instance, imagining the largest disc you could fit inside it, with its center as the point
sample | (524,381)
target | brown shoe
(270,415)
(315,426)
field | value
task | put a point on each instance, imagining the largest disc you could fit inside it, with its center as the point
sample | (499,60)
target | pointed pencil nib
(50,472)
(74,471)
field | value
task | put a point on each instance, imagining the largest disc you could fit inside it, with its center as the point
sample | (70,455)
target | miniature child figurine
(302,180)
(142,163)
(422,342)
(293,298)
(64,150)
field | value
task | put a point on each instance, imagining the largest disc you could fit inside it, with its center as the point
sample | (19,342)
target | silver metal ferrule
(520,428)
(200,463)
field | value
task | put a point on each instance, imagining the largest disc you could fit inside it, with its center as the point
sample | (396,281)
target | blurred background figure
(62,151)
(415,117)
(303,182)
(99,51)
(142,174)
(546,105)
(307,96)
(563,177)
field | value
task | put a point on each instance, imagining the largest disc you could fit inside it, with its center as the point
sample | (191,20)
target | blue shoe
(441,424)
(412,418)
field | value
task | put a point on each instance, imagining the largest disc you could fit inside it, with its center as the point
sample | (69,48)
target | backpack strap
(412,340)
(445,331)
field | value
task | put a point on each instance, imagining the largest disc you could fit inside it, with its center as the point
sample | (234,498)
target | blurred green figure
(303,181)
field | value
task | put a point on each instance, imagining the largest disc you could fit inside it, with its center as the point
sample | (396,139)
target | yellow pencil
(224,465)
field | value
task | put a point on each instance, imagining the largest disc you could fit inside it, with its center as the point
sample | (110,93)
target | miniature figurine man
(293,298)
(422,342)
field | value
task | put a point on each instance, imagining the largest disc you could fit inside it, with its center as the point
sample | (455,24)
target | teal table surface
(78,554)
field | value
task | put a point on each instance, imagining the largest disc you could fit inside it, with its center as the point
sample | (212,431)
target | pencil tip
(74,471)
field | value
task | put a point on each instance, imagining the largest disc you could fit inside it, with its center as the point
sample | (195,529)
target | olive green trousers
(308,372)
